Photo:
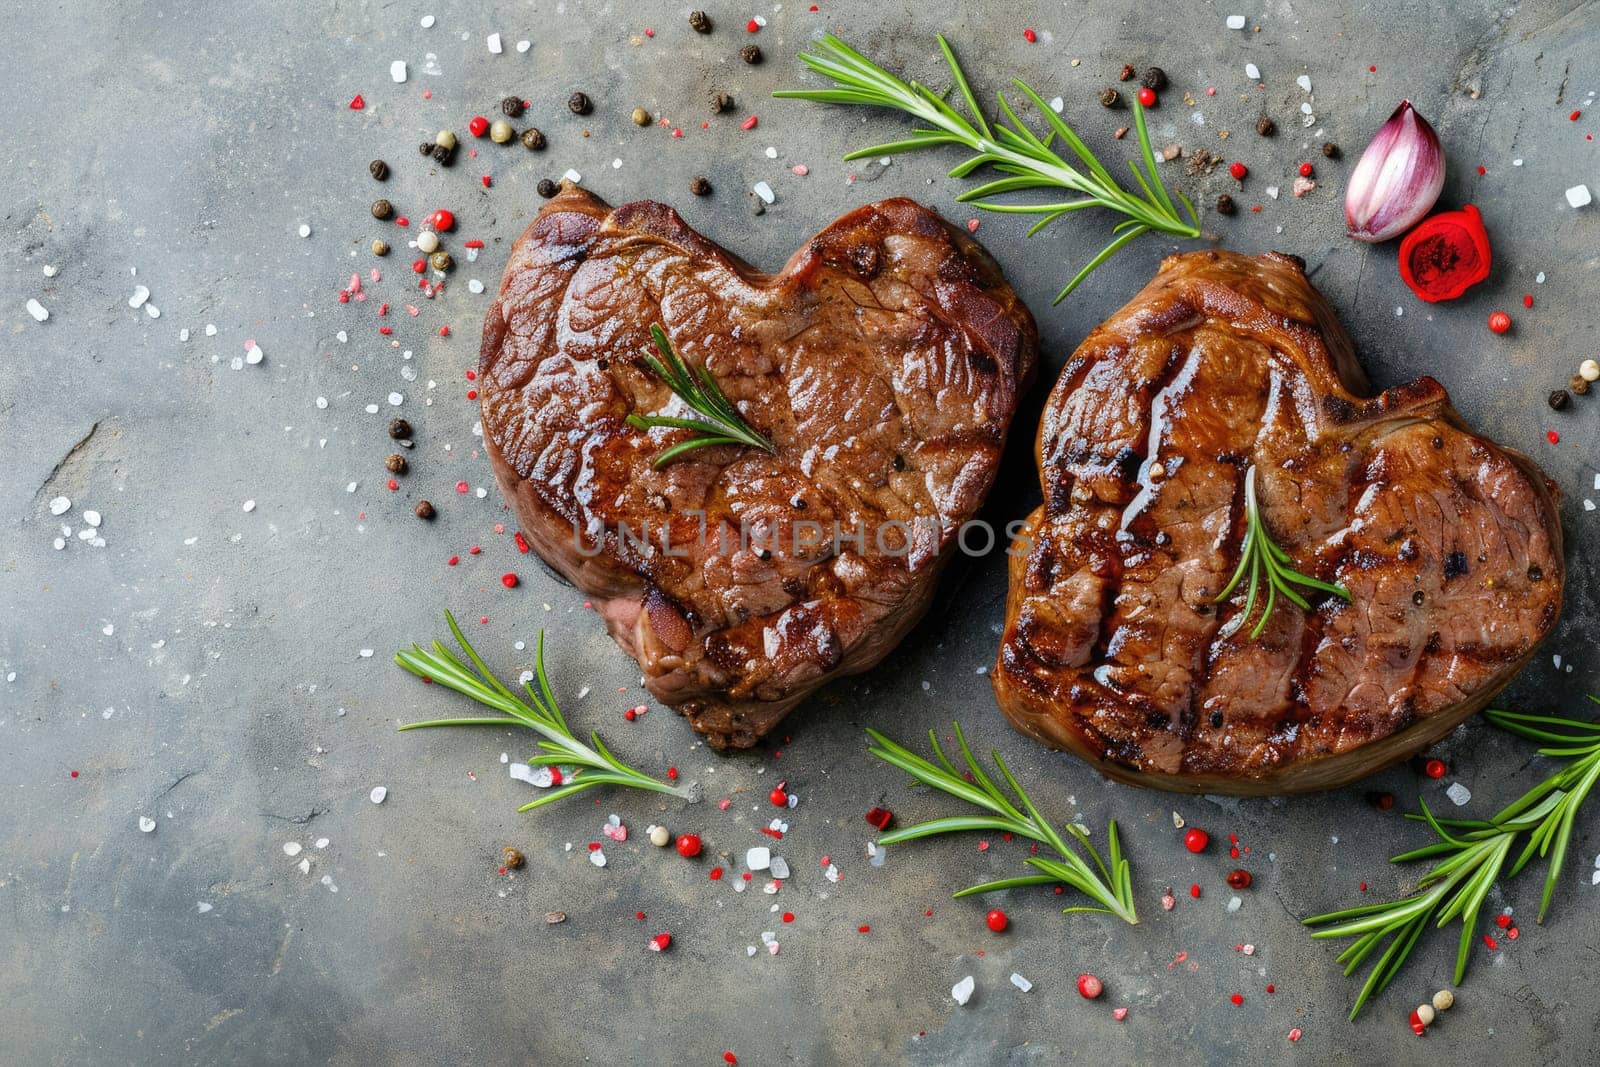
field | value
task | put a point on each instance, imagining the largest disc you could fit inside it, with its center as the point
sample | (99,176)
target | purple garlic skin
(1397,180)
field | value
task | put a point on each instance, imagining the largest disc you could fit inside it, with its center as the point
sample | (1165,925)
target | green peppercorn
(441,261)
(500,131)
(751,54)
(445,140)
(511,107)
(395,463)
(382,209)
(532,139)
(1579,384)
(511,859)
(399,428)
(700,22)
(641,117)
(380,247)
(378,169)
(547,188)
(580,104)
(700,187)
(424,510)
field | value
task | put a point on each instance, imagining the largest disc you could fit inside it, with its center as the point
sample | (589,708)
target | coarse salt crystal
(397,70)
(153,311)
(1057,104)
(474,285)
(146,824)
(49,270)
(573,176)
(962,990)
(1458,793)
(523,46)
(141,293)
(1578,196)
(494,44)
(1304,81)
(1252,72)
(248,506)
(1272,191)
(378,794)
(37,310)
(1235,22)
(291,848)
(92,518)
(1235,904)
(598,858)
(253,354)
(1020,982)
(396,399)
(764,191)
(60,506)
(211,329)
(183,334)
(832,873)
(779,867)
(758,858)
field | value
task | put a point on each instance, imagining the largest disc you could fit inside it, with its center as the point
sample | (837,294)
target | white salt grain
(598,858)
(758,858)
(1235,22)
(248,506)
(1578,196)
(779,867)
(253,354)
(1057,104)
(183,334)
(1020,982)
(1458,793)
(573,176)
(305,230)
(396,399)
(962,990)
(1252,72)
(1304,81)
(202,906)
(474,285)
(523,46)
(764,191)
(397,70)
(1235,904)
(60,506)
(153,311)
(37,310)
(291,848)
(146,824)
(494,44)
(141,293)
(378,794)
(49,270)
(427,22)
(92,518)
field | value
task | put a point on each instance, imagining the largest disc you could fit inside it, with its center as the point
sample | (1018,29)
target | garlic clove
(1397,180)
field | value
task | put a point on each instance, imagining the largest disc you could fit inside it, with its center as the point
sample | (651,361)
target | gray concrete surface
(203,669)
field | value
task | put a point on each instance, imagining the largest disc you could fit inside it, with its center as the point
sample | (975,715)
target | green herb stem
(720,422)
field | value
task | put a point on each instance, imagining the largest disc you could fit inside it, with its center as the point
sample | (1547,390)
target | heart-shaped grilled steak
(883,362)
(1116,647)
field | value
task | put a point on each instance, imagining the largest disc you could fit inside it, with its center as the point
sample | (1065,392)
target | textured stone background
(202,669)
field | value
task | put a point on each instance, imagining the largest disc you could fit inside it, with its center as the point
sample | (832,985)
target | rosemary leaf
(720,422)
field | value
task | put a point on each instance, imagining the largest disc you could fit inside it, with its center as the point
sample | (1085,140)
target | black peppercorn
(424,510)
(1559,399)
(1155,78)
(399,428)
(700,22)
(750,53)
(444,155)
(1109,98)
(378,169)
(1331,150)
(1265,126)
(382,209)
(532,139)
(395,463)
(547,188)
(721,102)
(1126,73)
(511,107)
(580,104)
(425,148)
(1225,205)
(700,187)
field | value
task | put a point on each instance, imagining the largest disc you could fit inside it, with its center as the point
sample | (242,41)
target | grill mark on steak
(884,361)
(1111,649)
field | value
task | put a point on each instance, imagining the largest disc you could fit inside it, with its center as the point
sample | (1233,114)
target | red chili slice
(1445,255)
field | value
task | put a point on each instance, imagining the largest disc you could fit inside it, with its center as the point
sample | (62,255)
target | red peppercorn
(1238,170)
(779,798)
(1194,891)
(880,817)
(689,845)
(1434,768)
(997,921)
(1527,301)
(442,220)
(1237,998)
(1239,878)
(508,580)
(1196,839)
(660,942)
(1305,170)
(728,1057)
(420,265)
(1147,97)
(1089,986)
(630,715)
(1029,36)
(1499,322)
(478,126)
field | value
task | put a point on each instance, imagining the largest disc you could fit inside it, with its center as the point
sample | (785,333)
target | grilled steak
(1114,649)
(884,362)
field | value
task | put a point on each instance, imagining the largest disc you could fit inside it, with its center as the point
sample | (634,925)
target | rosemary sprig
(1475,856)
(560,747)
(1109,883)
(1260,556)
(1007,145)
(721,425)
